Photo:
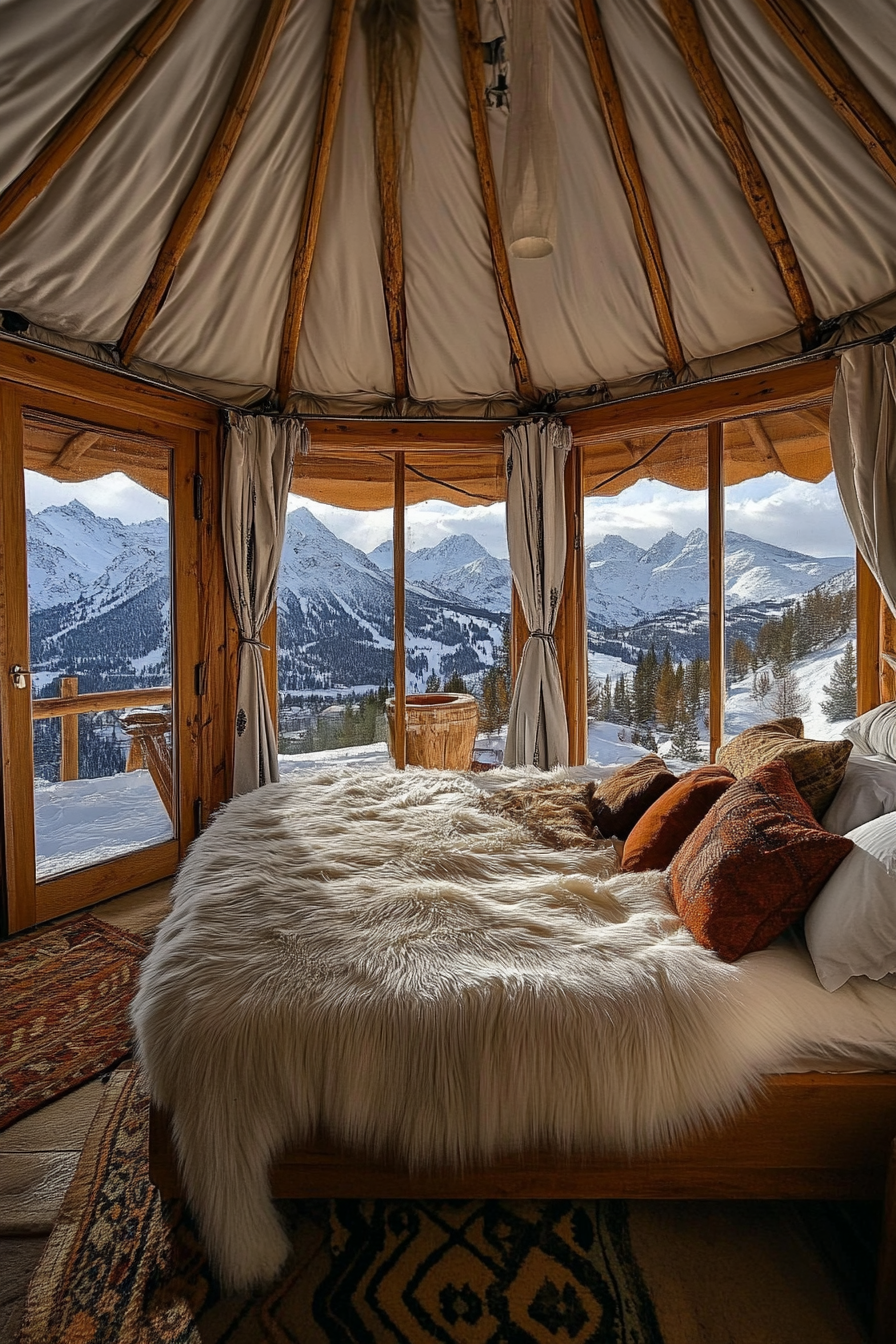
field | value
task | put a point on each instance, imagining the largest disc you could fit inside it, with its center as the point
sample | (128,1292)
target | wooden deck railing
(147,732)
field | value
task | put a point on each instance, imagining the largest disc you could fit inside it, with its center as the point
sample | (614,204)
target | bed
(281,1053)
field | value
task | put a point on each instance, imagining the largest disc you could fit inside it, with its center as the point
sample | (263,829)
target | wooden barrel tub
(441,730)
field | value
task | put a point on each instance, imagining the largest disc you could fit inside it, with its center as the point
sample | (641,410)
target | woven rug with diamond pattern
(64,998)
(119,1267)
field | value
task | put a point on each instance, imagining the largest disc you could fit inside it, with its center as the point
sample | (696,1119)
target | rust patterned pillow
(654,840)
(618,802)
(817,767)
(753,865)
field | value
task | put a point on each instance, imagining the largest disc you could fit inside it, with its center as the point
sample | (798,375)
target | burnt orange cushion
(618,802)
(753,864)
(655,840)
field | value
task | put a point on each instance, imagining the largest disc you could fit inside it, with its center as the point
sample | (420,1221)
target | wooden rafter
(754,184)
(74,449)
(852,102)
(193,210)
(388,174)
(112,84)
(474,79)
(328,109)
(764,442)
(625,157)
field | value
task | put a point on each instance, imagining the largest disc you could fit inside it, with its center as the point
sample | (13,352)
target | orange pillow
(753,865)
(618,802)
(655,840)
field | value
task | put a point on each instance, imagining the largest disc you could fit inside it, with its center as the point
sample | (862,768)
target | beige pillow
(817,767)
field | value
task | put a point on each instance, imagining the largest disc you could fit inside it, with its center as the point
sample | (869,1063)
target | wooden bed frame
(809,1136)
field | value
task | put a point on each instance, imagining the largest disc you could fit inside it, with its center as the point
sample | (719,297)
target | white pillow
(851,924)
(868,791)
(874,733)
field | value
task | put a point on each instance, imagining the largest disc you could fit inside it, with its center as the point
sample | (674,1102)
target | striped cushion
(817,767)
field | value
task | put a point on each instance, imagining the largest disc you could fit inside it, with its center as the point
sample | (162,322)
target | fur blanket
(372,957)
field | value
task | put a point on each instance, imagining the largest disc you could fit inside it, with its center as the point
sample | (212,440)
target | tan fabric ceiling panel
(789,122)
(41,81)
(81,252)
(76,259)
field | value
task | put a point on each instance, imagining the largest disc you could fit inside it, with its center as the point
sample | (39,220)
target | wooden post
(715,447)
(570,634)
(399,736)
(519,632)
(68,728)
(887,651)
(868,633)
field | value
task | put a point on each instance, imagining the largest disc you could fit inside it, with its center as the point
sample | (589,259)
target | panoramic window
(790,579)
(99,591)
(335,642)
(646,584)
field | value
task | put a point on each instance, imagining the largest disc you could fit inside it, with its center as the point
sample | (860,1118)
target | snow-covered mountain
(625,582)
(74,555)
(335,610)
(458,566)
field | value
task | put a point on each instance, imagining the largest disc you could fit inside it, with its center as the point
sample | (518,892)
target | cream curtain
(258,461)
(535,453)
(863,449)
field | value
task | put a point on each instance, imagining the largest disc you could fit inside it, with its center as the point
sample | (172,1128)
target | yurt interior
(448,671)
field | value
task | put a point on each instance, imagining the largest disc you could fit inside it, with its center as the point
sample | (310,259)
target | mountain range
(99,591)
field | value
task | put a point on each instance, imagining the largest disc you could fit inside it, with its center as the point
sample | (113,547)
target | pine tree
(686,737)
(841,689)
(432,683)
(606,700)
(740,656)
(667,693)
(456,685)
(788,700)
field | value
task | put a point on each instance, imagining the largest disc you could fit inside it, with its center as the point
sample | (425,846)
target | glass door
(94,775)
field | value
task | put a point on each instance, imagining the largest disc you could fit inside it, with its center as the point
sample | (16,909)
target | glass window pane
(99,591)
(335,645)
(647,583)
(790,626)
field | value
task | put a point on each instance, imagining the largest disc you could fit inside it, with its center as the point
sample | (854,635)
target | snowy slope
(813,673)
(74,554)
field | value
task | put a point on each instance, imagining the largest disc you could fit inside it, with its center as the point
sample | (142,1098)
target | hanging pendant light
(529,180)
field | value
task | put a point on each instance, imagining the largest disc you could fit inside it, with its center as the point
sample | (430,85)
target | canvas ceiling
(75,261)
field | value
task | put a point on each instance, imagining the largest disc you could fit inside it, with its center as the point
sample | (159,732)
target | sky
(773,508)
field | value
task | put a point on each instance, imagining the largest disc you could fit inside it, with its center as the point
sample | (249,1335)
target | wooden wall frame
(50,384)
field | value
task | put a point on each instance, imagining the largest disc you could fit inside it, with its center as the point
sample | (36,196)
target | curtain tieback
(255,643)
(541,634)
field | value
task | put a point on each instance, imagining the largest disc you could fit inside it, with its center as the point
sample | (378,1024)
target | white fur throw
(367,955)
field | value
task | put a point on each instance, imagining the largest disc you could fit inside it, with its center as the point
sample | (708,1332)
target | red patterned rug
(64,999)
(118,1268)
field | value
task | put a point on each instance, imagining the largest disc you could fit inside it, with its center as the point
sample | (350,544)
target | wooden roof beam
(729,126)
(852,102)
(74,449)
(764,442)
(328,109)
(388,176)
(625,157)
(100,99)
(470,39)
(192,212)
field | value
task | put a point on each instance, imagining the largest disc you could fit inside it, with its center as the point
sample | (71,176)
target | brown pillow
(817,767)
(618,802)
(664,827)
(753,865)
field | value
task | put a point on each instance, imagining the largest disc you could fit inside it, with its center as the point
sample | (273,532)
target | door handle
(18,674)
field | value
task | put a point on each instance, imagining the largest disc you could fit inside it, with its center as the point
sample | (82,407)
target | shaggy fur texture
(370,956)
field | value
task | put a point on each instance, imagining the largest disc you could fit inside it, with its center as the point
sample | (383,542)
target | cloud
(793,514)
(112,496)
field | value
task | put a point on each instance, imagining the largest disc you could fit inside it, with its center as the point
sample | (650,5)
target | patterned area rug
(362,1272)
(64,998)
